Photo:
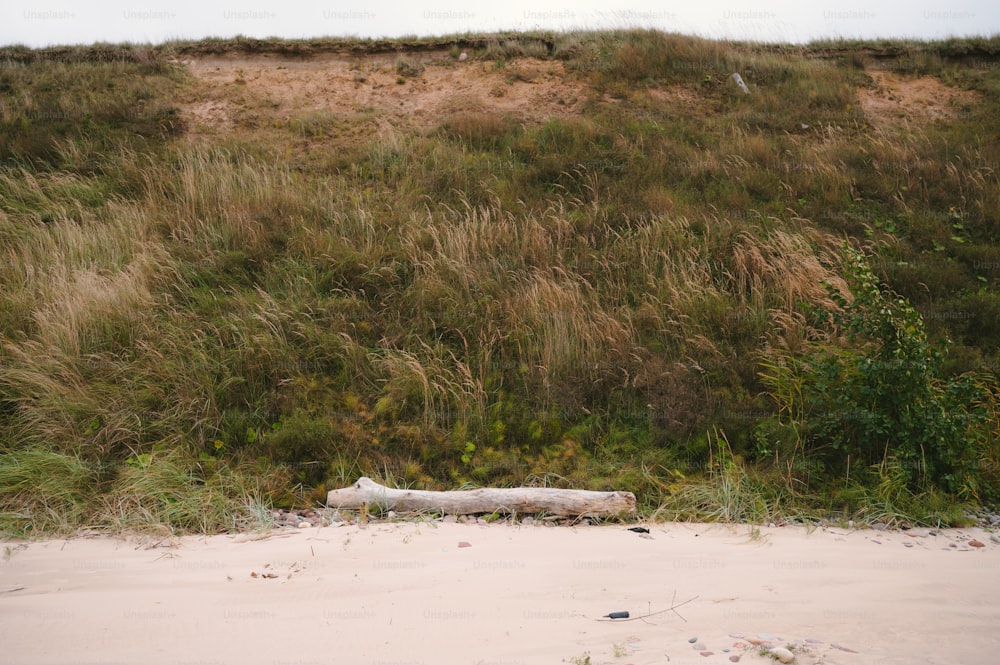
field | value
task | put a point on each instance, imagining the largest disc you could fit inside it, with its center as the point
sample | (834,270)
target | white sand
(404,593)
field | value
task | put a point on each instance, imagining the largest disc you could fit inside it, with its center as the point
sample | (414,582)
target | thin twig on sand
(673,608)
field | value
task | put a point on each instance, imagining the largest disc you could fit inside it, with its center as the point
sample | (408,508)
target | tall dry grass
(581,299)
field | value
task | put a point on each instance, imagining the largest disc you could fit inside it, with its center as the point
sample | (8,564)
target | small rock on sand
(700,647)
(976,543)
(706,654)
(783,655)
(734,659)
(692,640)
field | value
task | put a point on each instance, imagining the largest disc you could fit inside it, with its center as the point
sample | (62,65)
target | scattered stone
(304,525)
(878,526)
(738,80)
(932,532)
(952,545)
(528,521)
(995,538)
(463,56)
(706,654)
(877,542)
(738,636)
(976,543)
(391,515)
(463,543)
(783,655)
(994,520)
(734,659)
(907,544)
(449,519)
(700,647)
(692,640)
(739,645)
(765,636)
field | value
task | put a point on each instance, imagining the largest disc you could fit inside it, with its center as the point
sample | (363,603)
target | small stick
(673,608)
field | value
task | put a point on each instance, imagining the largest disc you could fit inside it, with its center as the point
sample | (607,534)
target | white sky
(48,22)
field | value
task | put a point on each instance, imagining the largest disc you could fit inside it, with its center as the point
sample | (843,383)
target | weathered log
(523,500)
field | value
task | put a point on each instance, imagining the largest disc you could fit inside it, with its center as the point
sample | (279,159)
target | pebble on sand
(976,543)
(783,655)
(692,640)
(734,659)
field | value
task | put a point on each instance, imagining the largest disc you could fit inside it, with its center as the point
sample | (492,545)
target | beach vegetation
(766,307)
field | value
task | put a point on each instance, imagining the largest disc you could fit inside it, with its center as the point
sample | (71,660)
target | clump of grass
(44,492)
(481,130)
(171,490)
(409,68)
(100,105)
(729,493)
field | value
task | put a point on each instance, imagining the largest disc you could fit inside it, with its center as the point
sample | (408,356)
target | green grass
(192,330)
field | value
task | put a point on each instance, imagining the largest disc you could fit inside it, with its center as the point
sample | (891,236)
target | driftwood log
(366,492)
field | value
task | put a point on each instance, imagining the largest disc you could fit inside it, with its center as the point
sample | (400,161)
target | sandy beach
(500,594)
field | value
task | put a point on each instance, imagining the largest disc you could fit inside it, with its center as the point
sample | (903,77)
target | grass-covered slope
(649,287)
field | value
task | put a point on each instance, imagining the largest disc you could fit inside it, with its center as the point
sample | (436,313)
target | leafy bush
(879,398)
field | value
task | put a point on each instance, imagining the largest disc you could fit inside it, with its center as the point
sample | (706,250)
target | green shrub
(881,399)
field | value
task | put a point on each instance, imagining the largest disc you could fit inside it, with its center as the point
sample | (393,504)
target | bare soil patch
(897,97)
(412,92)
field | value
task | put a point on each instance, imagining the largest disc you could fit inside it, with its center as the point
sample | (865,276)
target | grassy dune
(679,291)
